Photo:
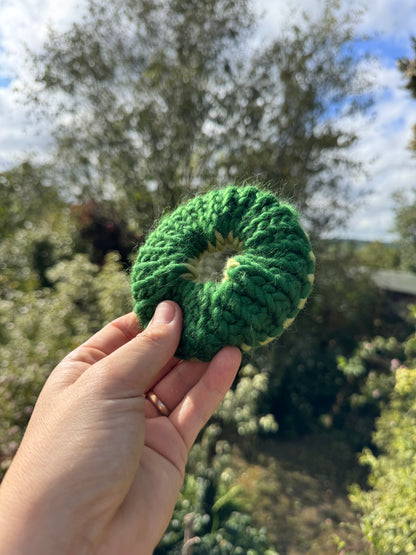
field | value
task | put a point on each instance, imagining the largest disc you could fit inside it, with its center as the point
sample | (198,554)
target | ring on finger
(156,402)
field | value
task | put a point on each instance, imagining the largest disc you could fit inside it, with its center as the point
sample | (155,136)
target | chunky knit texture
(263,285)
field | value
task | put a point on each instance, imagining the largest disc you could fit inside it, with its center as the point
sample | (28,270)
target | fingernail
(165,313)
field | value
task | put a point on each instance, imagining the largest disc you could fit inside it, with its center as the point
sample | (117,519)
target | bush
(389,508)
(305,381)
(40,326)
(210,514)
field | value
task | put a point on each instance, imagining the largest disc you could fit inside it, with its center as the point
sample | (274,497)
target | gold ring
(156,402)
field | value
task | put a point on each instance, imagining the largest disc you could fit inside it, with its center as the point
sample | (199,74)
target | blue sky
(383,140)
(388,49)
(5,79)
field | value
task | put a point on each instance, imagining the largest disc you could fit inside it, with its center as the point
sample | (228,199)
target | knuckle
(154,338)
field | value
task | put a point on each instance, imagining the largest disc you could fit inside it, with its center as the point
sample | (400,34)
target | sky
(383,142)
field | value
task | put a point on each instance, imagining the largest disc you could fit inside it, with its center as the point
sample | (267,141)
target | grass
(297,490)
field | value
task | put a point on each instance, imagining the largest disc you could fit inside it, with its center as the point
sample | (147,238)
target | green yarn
(265,281)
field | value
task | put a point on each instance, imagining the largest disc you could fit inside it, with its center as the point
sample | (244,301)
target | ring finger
(173,387)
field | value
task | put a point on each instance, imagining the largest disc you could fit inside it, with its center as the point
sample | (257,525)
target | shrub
(40,326)
(389,507)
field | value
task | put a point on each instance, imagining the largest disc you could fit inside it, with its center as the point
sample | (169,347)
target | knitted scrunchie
(264,283)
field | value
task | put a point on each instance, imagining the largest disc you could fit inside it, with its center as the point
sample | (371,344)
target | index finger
(110,338)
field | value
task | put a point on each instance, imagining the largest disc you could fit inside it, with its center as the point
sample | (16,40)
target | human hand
(99,469)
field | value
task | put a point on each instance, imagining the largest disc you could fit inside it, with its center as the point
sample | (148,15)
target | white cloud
(394,18)
(24,24)
(388,17)
(383,146)
(19,135)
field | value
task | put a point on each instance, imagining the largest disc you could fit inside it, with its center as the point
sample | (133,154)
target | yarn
(265,281)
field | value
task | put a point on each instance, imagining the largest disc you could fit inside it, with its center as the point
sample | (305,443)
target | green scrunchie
(266,278)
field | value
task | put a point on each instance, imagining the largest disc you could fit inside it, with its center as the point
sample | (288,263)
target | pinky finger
(197,407)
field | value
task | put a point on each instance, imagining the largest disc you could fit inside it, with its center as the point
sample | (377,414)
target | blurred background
(113,113)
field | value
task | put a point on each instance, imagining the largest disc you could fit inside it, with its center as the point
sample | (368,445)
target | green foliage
(405,203)
(285,125)
(389,507)
(236,536)
(145,73)
(370,379)
(380,385)
(410,344)
(175,97)
(304,378)
(405,227)
(36,246)
(209,513)
(210,509)
(39,326)
(25,196)
(408,67)
(379,255)
(240,406)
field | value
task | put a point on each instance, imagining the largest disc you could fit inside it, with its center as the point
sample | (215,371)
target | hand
(99,468)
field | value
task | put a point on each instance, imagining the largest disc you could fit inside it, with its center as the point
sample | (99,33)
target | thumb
(127,371)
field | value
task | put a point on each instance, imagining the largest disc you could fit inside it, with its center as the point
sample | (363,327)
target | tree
(133,81)
(153,99)
(287,127)
(405,204)
(408,68)
(405,227)
(25,197)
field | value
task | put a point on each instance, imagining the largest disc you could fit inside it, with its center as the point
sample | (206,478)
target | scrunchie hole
(212,264)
